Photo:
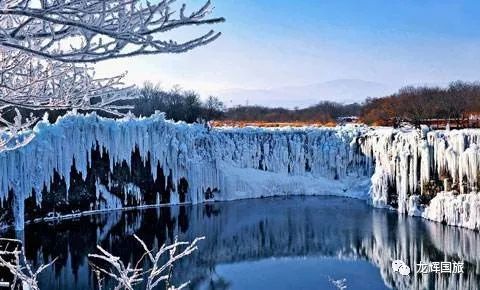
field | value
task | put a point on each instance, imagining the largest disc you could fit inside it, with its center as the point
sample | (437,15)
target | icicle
(247,162)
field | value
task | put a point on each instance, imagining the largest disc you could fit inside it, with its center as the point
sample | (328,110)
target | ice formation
(433,174)
(232,163)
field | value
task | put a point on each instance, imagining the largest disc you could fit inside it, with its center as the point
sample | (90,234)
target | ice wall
(433,174)
(232,163)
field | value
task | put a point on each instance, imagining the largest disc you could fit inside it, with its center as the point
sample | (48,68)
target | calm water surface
(278,243)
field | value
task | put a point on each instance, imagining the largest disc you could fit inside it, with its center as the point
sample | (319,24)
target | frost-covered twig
(18,123)
(93,30)
(126,277)
(35,84)
(13,128)
(16,262)
(98,276)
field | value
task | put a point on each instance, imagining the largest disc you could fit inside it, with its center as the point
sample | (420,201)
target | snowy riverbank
(84,163)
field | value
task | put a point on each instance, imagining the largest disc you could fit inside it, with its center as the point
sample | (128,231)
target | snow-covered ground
(388,167)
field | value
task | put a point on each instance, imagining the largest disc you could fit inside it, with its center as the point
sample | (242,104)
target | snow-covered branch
(108,266)
(35,84)
(32,83)
(12,257)
(10,135)
(93,30)
(126,277)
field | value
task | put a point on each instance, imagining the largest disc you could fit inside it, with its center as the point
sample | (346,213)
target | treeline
(323,112)
(177,104)
(186,105)
(434,106)
(419,105)
(416,105)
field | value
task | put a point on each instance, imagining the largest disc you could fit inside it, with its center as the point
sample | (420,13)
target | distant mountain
(342,90)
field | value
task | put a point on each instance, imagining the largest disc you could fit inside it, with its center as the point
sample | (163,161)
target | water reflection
(325,231)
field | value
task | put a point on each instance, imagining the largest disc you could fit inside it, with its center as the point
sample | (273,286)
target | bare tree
(15,261)
(93,30)
(39,84)
(126,277)
(214,108)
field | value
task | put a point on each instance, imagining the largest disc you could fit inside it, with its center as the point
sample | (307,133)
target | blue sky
(270,44)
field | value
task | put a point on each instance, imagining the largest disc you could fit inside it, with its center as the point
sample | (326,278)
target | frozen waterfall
(218,164)
(433,174)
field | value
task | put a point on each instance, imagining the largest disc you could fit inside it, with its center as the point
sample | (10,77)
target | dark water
(280,243)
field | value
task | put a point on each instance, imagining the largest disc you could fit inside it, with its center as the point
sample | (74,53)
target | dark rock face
(6,213)
(82,193)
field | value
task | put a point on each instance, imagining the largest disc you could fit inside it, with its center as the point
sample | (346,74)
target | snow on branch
(13,128)
(126,277)
(81,31)
(12,257)
(43,84)
(34,84)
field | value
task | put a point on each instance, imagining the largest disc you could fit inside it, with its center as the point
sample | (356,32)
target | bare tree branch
(31,83)
(15,261)
(81,31)
(126,277)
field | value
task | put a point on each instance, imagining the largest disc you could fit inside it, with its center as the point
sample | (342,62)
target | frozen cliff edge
(433,174)
(188,163)
(85,163)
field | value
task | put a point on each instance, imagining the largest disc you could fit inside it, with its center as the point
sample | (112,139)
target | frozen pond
(275,243)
